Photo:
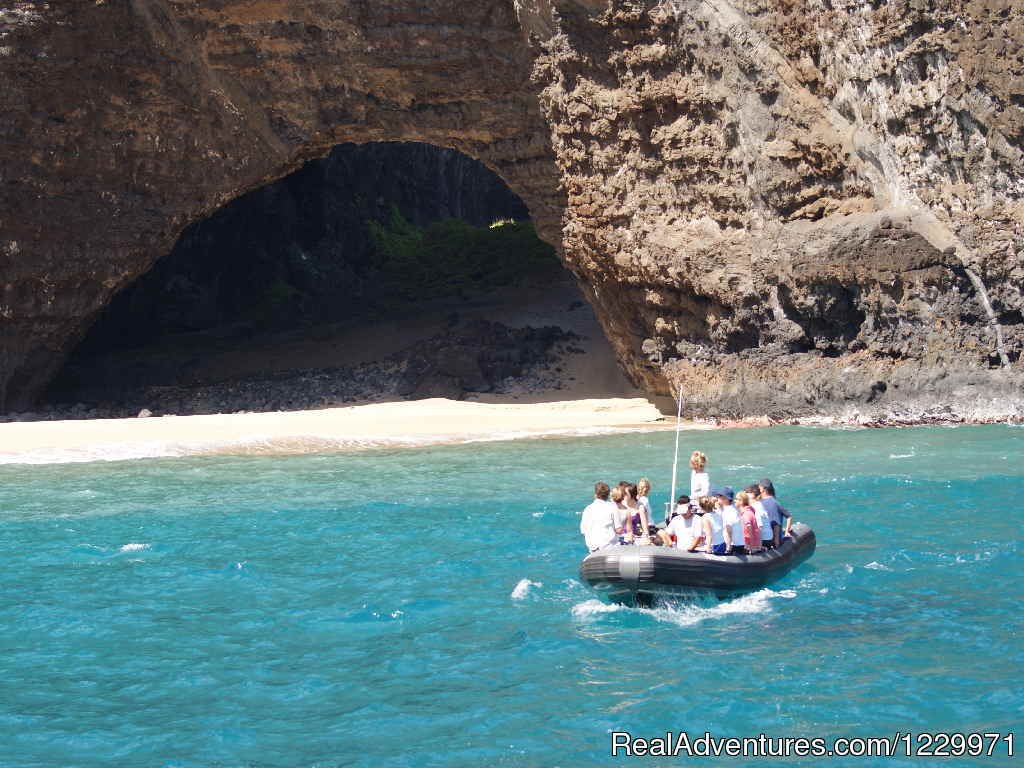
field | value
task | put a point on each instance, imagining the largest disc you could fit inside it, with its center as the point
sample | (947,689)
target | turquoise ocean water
(421,607)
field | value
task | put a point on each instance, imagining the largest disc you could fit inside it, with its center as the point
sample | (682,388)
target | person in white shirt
(733,524)
(617,498)
(700,484)
(684,530)
(643,487)
(714,530)
(598,521)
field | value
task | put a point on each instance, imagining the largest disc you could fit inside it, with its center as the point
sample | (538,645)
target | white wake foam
(133,546)
(522,589)
(594,607)
(686,614)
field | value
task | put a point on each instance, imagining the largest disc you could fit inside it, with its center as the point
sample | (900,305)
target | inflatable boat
(638,574)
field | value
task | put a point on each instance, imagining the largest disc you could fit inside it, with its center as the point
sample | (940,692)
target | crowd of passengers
(711,519)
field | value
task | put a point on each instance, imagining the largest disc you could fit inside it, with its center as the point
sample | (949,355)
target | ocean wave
(133,547)
(259,445)
(901,455)
(874,565)
(86,455)
(522,589)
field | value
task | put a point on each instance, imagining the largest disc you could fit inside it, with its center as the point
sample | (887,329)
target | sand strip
(423,422)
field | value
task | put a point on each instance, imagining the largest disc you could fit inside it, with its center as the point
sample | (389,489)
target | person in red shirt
(751,530)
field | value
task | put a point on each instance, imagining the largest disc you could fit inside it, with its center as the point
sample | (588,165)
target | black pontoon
(638,574)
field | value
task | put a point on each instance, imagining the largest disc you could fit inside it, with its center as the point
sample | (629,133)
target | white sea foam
(111,452)
(523,588)
(594,607)
(133,547)
(901,455)
(538,514)
(876,566)
(261,445)
(686,614)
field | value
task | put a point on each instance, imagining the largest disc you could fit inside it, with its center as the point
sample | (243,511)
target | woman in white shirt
(714,529)
(700,484)
(619,514)
(643,488)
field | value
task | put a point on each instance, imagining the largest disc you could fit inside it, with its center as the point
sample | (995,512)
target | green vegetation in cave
(452,257)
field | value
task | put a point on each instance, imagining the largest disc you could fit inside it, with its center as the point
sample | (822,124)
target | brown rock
(828,215)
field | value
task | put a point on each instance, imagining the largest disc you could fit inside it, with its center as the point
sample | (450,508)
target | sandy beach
(577,393)
(375,425)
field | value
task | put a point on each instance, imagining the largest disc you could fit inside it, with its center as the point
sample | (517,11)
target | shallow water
(421,607)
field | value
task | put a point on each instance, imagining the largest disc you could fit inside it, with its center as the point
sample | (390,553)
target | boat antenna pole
(675,458)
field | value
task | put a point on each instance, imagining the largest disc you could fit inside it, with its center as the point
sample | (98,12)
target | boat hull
(638,575)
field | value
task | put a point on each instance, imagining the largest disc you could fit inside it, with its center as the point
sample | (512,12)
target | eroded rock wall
(785,206)
(799,207)
(123,121)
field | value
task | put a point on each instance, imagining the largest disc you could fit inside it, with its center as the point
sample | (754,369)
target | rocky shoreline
(875,422)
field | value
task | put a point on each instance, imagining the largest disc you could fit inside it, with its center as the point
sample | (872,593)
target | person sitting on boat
(617,496)
(701,527)
(714,529)
(637,522)
(761,514)
(680,530)
(643,489)
(682,502)
(598,524)
(776,512)
(730,519)
(751,530)
(700,484)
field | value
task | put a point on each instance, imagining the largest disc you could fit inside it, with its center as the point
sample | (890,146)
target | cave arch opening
(390,270)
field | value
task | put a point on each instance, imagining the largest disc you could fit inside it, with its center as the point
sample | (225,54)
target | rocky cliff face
(793,207)
(786,206)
